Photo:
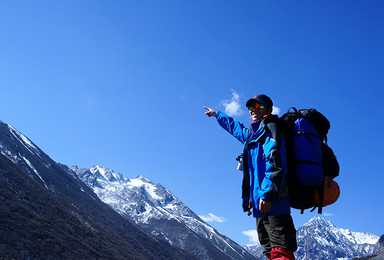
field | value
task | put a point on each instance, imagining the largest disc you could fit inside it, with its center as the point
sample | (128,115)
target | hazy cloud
(213,218)
(275,110)
(233,107)
(327,214)
(253,237)
(185,93)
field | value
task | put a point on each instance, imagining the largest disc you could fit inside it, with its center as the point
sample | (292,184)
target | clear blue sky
(122,84)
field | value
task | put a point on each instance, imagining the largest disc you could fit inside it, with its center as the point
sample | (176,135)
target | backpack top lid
(318,120)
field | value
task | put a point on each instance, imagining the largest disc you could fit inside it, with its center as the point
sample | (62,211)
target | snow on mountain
(160,213)
(359,237)
(321,239)
(256,250)
(18,148)
(43,205)
(24,140)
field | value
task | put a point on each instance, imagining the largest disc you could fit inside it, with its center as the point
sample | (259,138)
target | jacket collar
(257,130)
(256,124)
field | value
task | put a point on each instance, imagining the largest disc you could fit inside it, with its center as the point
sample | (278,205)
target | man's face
(257,111)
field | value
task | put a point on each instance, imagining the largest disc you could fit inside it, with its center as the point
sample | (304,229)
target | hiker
(264,167)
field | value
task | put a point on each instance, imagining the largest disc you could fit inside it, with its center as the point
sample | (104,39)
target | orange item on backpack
(331,192)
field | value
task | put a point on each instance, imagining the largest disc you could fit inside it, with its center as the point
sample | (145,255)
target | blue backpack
(311,163)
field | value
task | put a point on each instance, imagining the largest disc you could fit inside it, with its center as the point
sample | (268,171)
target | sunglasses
(256,106)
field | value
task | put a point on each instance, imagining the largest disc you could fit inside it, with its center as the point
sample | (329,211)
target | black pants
(276,231)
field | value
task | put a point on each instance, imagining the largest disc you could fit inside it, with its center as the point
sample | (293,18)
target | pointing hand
(211,112)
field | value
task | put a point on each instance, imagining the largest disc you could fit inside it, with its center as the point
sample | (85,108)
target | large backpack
(311,163)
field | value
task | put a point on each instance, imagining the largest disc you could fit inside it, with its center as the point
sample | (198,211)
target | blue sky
(123,84)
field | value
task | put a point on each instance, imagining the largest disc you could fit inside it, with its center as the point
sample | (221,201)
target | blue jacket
(264,162)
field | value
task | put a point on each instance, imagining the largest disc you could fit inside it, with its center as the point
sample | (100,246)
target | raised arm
(230,124)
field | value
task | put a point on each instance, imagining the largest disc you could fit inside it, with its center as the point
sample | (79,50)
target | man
(264,184)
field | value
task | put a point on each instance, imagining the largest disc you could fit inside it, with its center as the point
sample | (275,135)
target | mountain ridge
(45,204)
(47,213)
(155,209)
(321,239)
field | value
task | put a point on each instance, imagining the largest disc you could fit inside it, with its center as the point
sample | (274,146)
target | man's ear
(269,111)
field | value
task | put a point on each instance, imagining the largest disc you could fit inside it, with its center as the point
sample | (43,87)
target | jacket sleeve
(275,158)
(232,126)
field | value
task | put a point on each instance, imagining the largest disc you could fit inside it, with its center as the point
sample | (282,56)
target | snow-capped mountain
(256,250)
(48,213)
(320,239)
(379,254)
(160,213)
(45,204)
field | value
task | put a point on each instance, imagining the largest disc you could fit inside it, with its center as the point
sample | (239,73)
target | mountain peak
(157,210)
(59,203)
(16,136)
(143,179)
(319,221)
(326,241)
(106,173)
(380,246)
(381,241)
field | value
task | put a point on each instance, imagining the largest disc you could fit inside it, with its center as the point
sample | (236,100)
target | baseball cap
(262,99)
